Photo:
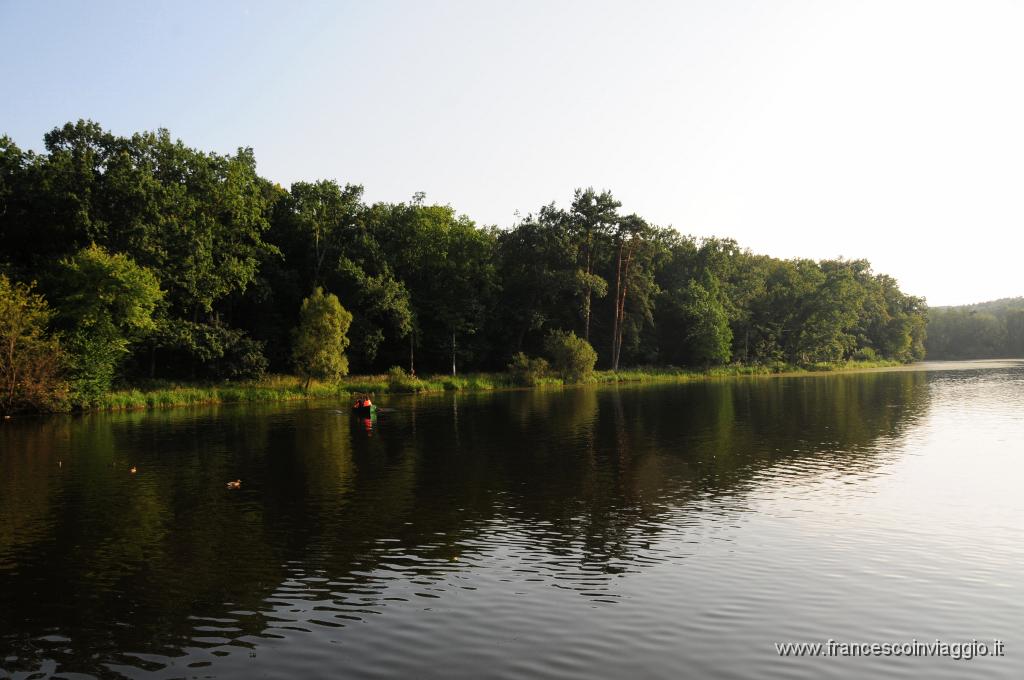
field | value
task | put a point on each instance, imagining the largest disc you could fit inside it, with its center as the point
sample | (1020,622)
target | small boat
(364,411)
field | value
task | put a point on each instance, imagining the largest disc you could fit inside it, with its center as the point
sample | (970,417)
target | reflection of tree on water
(575,483)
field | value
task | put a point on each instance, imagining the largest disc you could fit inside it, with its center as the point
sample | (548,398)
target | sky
(892,130)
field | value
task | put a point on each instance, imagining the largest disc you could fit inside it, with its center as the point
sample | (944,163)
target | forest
(127,259)
(981,331)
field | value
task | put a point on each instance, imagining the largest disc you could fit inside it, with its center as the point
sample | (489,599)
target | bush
(244,359)
(209,350)
(527,371)
(92,361)
(865,354)
(30,367)
(400,381)
(572,358)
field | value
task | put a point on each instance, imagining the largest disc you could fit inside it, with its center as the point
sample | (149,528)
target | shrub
(400,381)
(30,363)
(527,371)
(572,358)
(865,354)
(244,359)
(210,350)
(92,361)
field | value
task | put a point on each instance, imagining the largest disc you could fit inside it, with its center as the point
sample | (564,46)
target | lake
(659,531)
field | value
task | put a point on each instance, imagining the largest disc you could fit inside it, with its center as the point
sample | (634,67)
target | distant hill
(984,330)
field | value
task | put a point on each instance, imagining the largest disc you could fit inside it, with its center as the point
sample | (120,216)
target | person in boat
(363,402)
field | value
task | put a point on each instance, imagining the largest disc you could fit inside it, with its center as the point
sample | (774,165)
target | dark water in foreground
(640,532)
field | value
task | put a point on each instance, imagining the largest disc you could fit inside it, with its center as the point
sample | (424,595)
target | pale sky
(890,130)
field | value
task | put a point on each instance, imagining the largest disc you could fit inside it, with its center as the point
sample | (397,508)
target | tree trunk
(319,255)
(615,309)
(12,378)
(622,319)
(620,309)
(192,356)
(453,354)
(412,354)
(586,297)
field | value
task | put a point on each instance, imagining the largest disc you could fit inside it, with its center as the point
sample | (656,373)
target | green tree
(105,303)
(832,310)
(896,322)
(325,215)
(638,249)
(537,272)
(96,287)
(195,219)
(709,335)
(30,360)
(321,338)
(592,217)
(447,265)
(571,357)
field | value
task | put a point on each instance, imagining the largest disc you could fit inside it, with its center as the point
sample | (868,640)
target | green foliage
(590,221)
(30,360)
(963,334)
(106,222)
(987,330)
(321,338)
(709,335)
(865,354)
(704,336)
(536,267)
(105,303)
(385,306)
(243,359)
(447,266)
(400,381)
(572,357)
(325,214)
(527,371)
(93,358)
(210,350)
(95,288)
(195,219)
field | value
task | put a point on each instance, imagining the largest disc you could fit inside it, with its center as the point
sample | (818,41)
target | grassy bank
(290,388)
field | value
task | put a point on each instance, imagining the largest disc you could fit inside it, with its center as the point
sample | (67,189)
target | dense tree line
(156,260)
(981,331)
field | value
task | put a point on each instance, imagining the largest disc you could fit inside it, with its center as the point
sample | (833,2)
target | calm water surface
(639,532)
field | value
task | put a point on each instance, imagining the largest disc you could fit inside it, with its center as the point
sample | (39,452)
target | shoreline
(280,388)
